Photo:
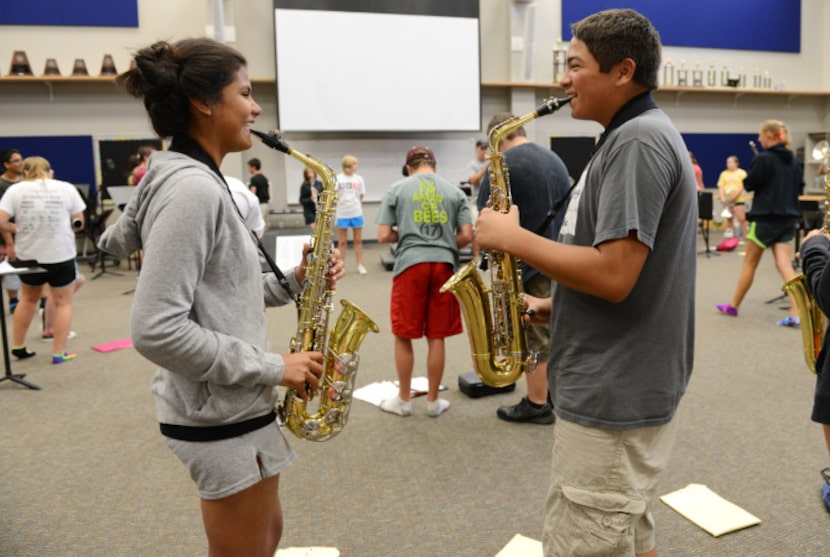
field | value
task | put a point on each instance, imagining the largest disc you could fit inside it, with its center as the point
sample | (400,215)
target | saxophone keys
(339,391)
(335,417)
(347,364)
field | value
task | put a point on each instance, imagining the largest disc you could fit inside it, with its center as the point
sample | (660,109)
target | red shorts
(417,306)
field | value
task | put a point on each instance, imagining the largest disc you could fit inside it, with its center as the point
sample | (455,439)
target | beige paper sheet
(709,510)
(308,552)
(521,546)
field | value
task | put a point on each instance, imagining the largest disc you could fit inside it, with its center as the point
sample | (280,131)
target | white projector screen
(356,71)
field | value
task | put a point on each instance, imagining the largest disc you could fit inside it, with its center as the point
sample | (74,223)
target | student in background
(732,196)
(44,210)
(310,190)
(538,179)
(349,211)
(12,162)
(429,219)
(140,170)
(815,253)
(775,178)
(698,172)
(248,205)
(260,186)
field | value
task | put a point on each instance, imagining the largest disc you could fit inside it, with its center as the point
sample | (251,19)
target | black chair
(704,217)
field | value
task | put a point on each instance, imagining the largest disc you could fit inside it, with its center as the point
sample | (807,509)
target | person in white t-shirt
(350,190)
(248,205)
(47,212)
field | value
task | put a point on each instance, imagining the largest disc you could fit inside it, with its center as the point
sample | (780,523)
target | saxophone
(496,329)
(810,315)
(339,345)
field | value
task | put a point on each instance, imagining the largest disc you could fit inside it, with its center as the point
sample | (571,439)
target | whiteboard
(358,71)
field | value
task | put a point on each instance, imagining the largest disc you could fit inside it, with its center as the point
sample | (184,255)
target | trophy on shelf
(821,153)
(108,66)
(51,67)
(79,67)
(20,64)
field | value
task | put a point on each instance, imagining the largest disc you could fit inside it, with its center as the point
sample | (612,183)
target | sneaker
(825,489)
(728,233)
(727,309)
(12,305)
(395,405)
(525,412)
(362,270)
(437,407)
(47,336)
(789,321)
(21,353)
(61,358)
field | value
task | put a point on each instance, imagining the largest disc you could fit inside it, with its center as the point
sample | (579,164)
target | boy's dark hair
(6,155)
(167,75)
(613,35)
(255,163)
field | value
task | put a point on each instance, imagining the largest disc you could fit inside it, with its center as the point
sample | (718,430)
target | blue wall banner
(766,25)
(77,13)
(70,156)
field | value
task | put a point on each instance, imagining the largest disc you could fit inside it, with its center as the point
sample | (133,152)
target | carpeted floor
(84,472)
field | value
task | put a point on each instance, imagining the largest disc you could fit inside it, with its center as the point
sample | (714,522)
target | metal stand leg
(704,231)
(16,378)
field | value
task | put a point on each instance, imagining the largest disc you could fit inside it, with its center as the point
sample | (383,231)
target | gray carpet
(84,472)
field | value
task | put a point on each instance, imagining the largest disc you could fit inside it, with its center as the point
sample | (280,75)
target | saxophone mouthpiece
(273,140)
(552,104)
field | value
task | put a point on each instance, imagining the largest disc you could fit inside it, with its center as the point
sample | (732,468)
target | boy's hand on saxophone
(493,228)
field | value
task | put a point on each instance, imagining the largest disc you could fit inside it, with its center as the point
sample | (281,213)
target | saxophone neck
(501,131)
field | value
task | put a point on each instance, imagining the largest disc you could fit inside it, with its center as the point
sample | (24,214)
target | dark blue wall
(771,25)
(711,150)
(104,13)
(71,157)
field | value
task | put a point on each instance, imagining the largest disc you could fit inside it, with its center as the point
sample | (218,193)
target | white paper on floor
(377,392)
(709,510)
(521,546)
(308,552)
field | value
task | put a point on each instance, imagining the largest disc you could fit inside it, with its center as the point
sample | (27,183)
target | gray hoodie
(199,307)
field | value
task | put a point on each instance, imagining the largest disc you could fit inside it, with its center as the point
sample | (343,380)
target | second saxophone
(494,318)
(339,345)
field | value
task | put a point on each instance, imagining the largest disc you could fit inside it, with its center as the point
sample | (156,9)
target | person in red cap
(430,220)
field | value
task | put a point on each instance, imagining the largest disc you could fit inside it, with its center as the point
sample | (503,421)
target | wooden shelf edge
(673,89)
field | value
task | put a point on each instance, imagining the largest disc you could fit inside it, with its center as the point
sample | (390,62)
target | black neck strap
(188,146)
(628,111)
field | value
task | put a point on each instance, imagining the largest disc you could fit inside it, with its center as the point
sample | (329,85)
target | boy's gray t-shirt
(626,365)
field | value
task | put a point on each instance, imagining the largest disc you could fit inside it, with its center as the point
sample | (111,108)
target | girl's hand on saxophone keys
(337,268)
(302,372)
(493,228)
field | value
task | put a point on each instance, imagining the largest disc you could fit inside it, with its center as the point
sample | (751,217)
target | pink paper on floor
(116,345)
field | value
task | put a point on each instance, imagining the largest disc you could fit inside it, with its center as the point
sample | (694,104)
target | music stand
(95,233)
(704,217)
(7,269)
(120,195)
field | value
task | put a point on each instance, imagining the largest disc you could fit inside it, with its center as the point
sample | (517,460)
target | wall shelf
(50,81)
(679,91)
